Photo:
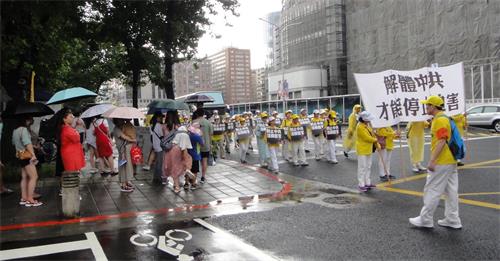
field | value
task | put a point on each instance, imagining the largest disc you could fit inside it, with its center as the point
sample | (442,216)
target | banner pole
(381,158)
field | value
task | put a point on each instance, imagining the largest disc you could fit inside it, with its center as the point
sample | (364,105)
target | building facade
(261,84)
(231,74)
(191,76)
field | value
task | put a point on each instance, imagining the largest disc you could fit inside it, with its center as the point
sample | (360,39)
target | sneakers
(186,186)
(362,189)
(459,163)
(146,167)
(446,223)
(417,222)
(33,204)
(126,189)
(276,172)
(334,162)
(384,178)
(415,169)
(304,164)
(202,180)
(370,186)
(164,181)
(346,155)
(420,167)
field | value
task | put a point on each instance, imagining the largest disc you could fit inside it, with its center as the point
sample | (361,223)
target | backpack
(456,143)
(167,141)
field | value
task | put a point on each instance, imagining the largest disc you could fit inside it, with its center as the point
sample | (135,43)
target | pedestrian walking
(125,138)
(366,144)
(296,136)
(306,124)
(332,132)
(442,177)
(218,149)
(243,138)
(228,135)
(350,139)
(385,137)
(26,160)
(273,136)
(207,132)
(317,124)
(416,137)
(195,136)
(261,140)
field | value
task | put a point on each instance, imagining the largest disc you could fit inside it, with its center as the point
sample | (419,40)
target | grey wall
(409,34)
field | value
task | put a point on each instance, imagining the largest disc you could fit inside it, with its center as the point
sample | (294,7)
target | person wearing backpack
(442,175)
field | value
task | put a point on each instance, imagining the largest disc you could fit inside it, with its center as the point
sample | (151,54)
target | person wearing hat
(228,135)
(261,140)
(243,138)
(365,144)
(442,175)
(306,123)
(350,139)
(273,139)
(218,138)
(296,136)
(385,136)
(251,126)
(332,131)
(415,133)
(324,114)
(277,119)
(317,124)
(285,124)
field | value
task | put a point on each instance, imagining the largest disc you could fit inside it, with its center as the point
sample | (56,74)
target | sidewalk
(102,196)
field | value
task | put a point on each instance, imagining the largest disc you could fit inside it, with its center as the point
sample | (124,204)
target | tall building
(261,87)
(192,76)
(407,35)
(271,33)
(312,34)
(231,74)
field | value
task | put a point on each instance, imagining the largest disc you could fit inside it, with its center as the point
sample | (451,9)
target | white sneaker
(417,221)
(415,168)
(146,167)
(421,168)
(446,223)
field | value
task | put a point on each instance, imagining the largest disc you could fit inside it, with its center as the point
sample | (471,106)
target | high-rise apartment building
(192,76)
(261,89)
(231,74)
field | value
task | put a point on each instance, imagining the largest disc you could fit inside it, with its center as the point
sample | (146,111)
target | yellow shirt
(441,129)
(286,123)
(265,138)
(217,137)
(389,135)
(314,119)
(292,125)
(366,138)
(461,122)
(329,122)
(416,128)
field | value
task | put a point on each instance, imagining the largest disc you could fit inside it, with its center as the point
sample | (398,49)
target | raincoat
(416,139)
(350,138)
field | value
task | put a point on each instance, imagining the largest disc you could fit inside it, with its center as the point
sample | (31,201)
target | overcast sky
(247,32)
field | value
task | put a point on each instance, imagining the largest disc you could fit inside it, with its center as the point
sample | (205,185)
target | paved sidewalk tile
(102,196)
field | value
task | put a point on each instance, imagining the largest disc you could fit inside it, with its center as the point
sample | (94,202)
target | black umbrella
(198,98)
(22,109)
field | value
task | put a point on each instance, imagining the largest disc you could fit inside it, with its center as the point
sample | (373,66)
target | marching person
(273,138)
(332,131)
(317,124)
(296,137)
(243,138)
(261,140)
(228,135)
(325,146)
(251,126)
(442,177)
(350,139)
(285,124)
(218,138)
(277,119)
(385,138)
(416,138)
(366,144)
(306,124)
(461,122)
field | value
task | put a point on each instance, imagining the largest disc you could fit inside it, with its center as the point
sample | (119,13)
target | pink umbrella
(124,113)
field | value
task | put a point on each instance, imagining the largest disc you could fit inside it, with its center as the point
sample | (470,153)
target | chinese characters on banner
(394,96)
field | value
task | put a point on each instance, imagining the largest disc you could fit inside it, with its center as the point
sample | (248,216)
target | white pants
(273,153)
(298,152)
(332,155)
(318,146)
(285,149)
(243,149)
(386,155)
(364,170)
(326,147)
(443,180)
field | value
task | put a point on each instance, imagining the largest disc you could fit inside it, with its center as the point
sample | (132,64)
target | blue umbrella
(71,94)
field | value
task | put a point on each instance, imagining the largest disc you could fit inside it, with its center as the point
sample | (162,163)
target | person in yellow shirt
(218,138)
(260,131)
(332,132)
(461,122)
(228,135)
(416,140)
(306,123)
(365,144)
(286,149)
(243,138)
(442,177)
(386,137)
(350,138)
(296,136)
(273,139)
(317,123)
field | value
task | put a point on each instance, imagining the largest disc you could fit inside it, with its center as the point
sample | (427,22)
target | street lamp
(280,30)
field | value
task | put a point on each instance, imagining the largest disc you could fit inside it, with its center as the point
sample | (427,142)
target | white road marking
(96,247)
(259,254)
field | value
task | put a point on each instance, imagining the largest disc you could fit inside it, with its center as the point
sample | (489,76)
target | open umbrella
(167,105)
(198,98)
(124,113)
(71,94)
(96,110)
(22,109)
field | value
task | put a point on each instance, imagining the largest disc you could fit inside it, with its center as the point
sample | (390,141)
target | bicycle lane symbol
(170,246)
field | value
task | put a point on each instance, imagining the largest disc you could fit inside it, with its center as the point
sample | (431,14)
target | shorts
(205,154)
(195,167)
(22,163)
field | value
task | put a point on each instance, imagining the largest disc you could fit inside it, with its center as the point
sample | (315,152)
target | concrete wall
(409,34)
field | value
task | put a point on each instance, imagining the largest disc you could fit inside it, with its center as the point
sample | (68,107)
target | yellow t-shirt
(292,125)
(441,129)
(389,135)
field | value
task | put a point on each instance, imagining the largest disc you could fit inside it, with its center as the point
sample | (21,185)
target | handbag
(23,154)
(136,155)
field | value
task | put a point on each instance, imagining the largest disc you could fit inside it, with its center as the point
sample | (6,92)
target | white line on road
(259,254)
(96,247)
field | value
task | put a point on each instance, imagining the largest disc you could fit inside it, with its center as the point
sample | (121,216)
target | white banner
(393,96)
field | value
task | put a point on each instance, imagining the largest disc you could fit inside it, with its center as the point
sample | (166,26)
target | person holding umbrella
(104,146)
(125,139)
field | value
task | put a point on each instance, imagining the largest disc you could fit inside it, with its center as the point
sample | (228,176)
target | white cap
(366,116)
(271,119)
(303,109)
(316,112)
(275,112)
